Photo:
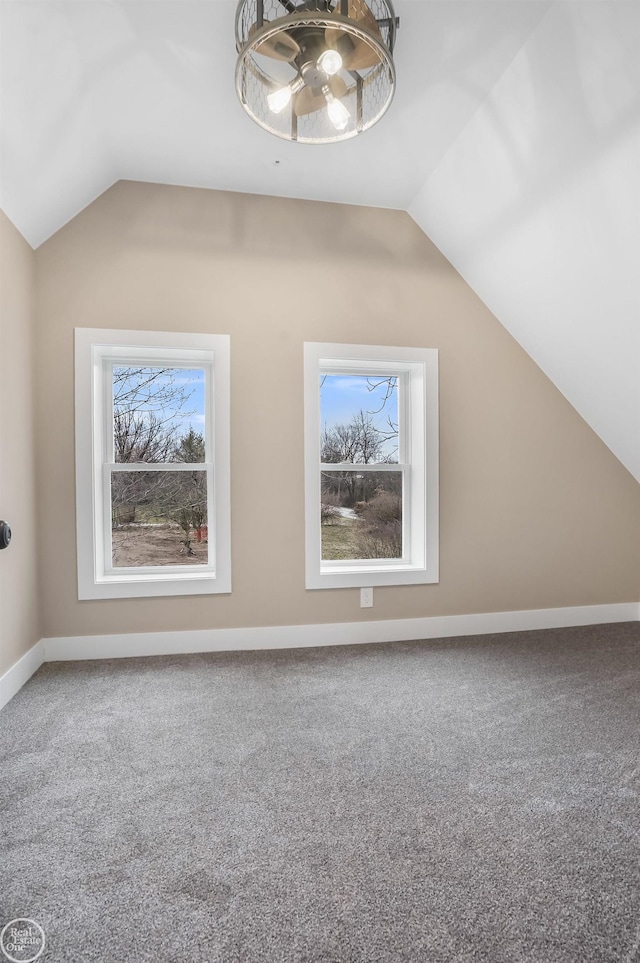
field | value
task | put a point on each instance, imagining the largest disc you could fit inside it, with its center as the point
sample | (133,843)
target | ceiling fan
(317,71)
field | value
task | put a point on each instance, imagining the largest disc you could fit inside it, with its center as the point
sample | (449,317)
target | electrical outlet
(366,598)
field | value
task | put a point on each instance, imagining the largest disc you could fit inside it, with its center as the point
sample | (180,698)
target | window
(371,465)
(152,463)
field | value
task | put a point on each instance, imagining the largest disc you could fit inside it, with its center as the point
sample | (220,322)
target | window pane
(359,416)
(159,518)
(158,414)
(361,514)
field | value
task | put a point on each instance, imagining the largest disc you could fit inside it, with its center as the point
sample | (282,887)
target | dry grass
(339,539)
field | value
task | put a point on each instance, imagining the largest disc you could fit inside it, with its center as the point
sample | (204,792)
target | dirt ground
(138,545)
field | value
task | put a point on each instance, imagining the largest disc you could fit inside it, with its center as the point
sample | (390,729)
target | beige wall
(19,597)
(535,510)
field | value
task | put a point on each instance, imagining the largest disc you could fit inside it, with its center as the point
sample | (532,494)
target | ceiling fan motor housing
(281,45)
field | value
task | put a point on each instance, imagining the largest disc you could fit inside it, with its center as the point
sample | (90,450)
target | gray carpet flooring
(463,800)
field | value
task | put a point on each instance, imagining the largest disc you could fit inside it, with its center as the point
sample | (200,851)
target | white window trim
(418,367)
(96,579)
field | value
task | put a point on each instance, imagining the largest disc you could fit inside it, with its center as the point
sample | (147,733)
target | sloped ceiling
(537,204)
(513,141)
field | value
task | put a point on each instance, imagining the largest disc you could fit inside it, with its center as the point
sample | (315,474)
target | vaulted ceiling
(513,141)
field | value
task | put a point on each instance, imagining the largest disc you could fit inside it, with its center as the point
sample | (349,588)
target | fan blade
(280,47)
(358,10)
(356,53)
(311,99)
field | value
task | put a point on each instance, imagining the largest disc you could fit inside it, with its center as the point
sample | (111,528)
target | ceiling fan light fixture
(315,71)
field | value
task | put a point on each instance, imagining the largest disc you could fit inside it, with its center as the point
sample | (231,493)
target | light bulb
(279,99)
(338,113)
(330,62)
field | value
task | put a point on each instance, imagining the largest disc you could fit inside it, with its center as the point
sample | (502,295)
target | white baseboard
(301,636)
(15,677)
(334,633)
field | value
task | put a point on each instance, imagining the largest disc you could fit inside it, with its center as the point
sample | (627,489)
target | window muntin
(153,450)
(361,425)
(370,471)
(158,468)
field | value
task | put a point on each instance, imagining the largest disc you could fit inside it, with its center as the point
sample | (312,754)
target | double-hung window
(371,465)
(152,463)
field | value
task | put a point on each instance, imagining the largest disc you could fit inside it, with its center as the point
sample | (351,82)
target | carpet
(451,801)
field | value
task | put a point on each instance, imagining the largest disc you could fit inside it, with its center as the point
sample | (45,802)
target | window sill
(365,576)
(153,586)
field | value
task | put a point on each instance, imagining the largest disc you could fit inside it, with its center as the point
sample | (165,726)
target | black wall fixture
(5,535)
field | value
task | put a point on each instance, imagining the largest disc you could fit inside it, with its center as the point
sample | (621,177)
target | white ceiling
(513,140)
